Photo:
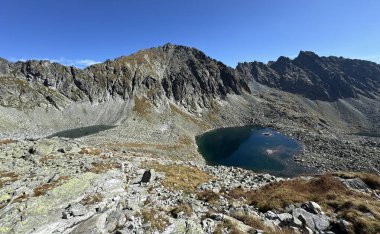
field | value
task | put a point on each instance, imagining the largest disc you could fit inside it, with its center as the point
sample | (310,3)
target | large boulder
(313,221)
(356,184)
(312,207)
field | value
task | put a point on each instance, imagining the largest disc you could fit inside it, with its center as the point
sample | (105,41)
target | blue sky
(81,32)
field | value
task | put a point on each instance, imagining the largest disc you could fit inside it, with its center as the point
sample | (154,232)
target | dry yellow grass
(20,199)
(214,113)
(90,151)
(102,167)
(181,177)
(7,141)
(209,196)
(256,223)
(92,199)
(229,226)
(43,189)
(326,190)
(7,177)
(156,146)
(157,221)
(250,221)
(185,140)
(142,106)
(183,207)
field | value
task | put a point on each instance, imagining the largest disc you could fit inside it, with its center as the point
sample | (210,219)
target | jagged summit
(185,74)
(304,53)
(316,77)
(179,73)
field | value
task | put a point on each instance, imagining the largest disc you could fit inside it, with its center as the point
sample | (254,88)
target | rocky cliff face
(182,74)
(185,75)
(317,78)
(61,97)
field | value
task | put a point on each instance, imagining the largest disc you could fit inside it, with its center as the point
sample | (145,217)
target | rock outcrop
(317,78)
(94,190)
(185,75)
(182,74)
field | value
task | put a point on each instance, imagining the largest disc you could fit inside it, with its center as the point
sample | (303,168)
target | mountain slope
(180,73)
(317,78)
(161,98)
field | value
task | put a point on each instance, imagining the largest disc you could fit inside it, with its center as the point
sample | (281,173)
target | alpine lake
(256,148)
(81,132)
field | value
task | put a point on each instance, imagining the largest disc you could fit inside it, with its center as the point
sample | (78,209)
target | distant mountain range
(344,93)
(187,75)
(315,77)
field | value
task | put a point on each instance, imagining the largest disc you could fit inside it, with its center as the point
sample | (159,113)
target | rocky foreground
(64,186)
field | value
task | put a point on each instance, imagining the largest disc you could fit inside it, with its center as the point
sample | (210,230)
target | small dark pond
(251,147)
(81,132)
(368,134)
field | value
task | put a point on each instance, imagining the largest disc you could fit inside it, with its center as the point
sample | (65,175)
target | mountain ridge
(315,77)
(183,73)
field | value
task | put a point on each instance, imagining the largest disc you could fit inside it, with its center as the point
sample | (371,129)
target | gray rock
(344,226)
(115,219)
(186,226)
(148,176)
(356,184)
(61,150)
(312,207)
(271,215)
(296,222)
(55,177)
(208,225)
(321,222)
(285,218)
(93,225)
(313,221)
(308,230)
(217,216)
(74,210)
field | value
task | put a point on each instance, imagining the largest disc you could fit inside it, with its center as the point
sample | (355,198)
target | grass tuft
(183,207)
(157,221)
(90,151)
(209,196)
(102,167)
(360,209)
(142,106)
(43,189)
(181,177)
(92,199)
(7,141)
(7,177)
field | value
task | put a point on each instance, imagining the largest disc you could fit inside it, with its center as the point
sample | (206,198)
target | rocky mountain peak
(307,54)
(318,78)
(188,76)
(178,73)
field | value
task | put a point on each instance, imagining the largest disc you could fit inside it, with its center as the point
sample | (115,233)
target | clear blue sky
(81,31)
